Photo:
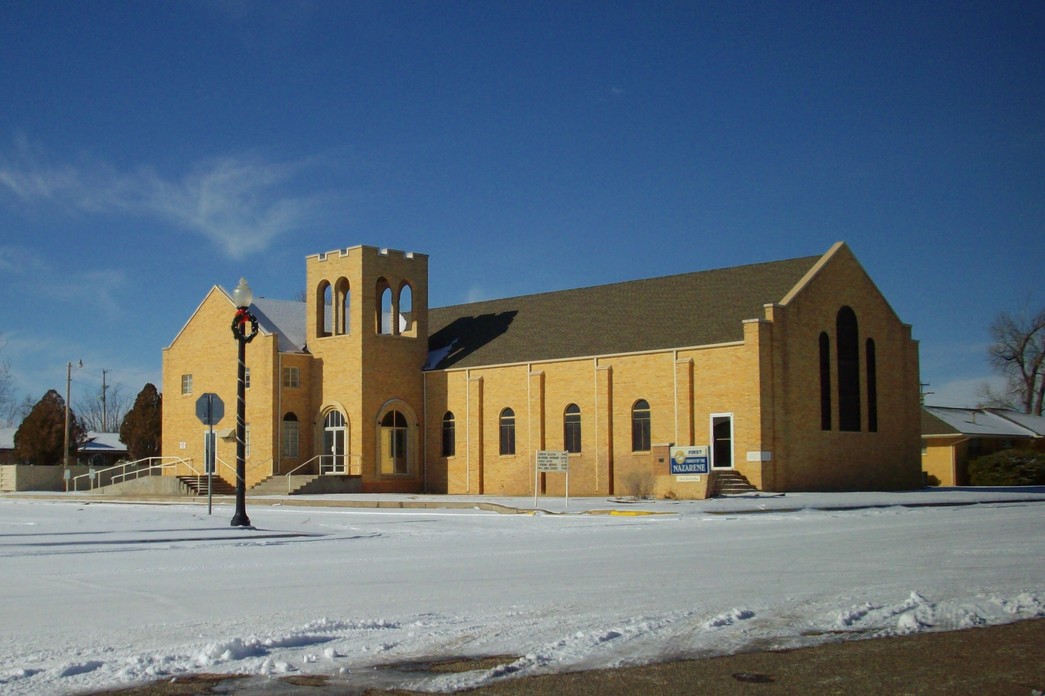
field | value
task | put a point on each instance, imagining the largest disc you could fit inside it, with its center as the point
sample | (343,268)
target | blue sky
(150,150)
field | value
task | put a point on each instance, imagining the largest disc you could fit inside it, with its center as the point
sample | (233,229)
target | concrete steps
(307,484)
(197,485)
(730,482)
(278,485)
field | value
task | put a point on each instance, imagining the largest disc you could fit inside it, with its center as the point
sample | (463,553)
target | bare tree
(22,410)
(1018,353)
(7,398)
(7,393)
(104,411)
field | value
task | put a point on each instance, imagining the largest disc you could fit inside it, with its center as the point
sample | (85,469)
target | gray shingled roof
(285,318)
(692,309)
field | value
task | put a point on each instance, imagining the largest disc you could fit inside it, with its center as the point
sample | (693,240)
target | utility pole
(105,412)
(65,452)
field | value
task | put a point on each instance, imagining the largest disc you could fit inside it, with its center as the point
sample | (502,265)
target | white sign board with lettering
(551,462)
(548,460)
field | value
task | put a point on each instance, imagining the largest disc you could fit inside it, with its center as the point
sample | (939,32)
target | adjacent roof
(103,442)
(7,438)
(285,318)
(96,442)
(976,422)
(691,309)
(1035,424)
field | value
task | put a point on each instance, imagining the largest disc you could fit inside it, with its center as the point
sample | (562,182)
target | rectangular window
(399,450)
(291,435)
(508,439)
(186,384)
(825,381)
(872,387)
(291,378)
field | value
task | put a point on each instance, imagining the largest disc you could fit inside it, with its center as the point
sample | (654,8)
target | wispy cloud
(97,290)
(476,294)
(967,392)
(238,202)
(15,260)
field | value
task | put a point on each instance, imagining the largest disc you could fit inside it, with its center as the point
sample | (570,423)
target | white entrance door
(333,459)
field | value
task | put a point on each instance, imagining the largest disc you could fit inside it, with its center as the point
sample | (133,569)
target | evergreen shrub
(1011,467)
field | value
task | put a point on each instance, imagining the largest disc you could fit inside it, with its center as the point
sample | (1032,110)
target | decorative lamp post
(242,296)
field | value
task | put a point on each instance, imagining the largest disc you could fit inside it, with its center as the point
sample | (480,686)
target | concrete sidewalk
(725,505)
(752,503)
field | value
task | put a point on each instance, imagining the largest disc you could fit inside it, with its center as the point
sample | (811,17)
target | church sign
(689,460)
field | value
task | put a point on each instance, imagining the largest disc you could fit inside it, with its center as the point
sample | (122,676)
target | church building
(795,375)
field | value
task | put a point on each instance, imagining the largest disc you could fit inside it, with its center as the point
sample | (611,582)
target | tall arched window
(291,436)
(848,370)
(825,381)
(406,308)
(385,310)
(395,455)
(571,428)
(449,435)
(872,387)
(507,431)
(640,426)
(342,305)
(324,298)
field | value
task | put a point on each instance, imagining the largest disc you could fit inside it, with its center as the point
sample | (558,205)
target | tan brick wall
(508,474)
(296,401)
(605,391)
(726,383)
(939,459)
(813,459)
(207,350)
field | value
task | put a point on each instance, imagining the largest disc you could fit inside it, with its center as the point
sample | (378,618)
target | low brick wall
(25,477)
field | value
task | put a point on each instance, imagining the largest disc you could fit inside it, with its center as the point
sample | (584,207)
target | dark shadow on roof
(468,334)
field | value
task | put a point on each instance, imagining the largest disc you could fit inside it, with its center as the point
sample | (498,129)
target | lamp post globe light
(242,296)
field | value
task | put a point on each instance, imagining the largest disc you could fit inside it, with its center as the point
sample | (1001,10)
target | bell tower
(367,330)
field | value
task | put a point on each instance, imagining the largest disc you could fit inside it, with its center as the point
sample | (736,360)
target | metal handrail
(270,461)
(302,466)
(354,467)
(299,467)
(219,462)
(126,473)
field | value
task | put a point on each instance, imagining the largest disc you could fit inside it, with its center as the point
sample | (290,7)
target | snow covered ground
(102,594)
